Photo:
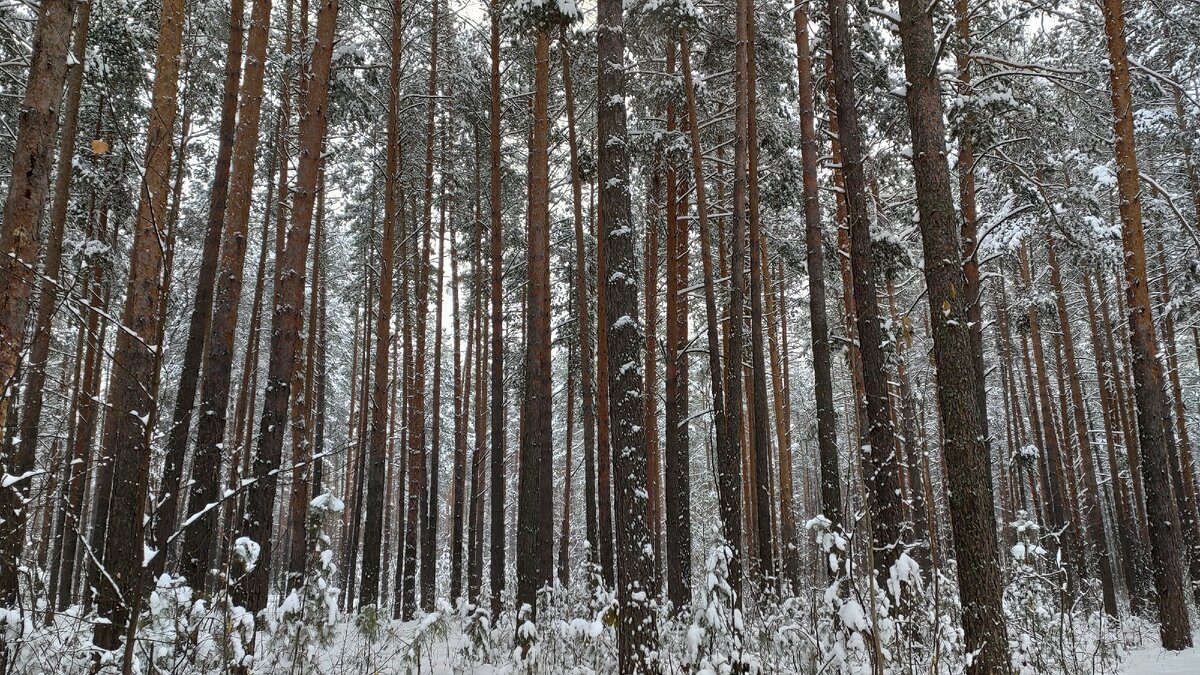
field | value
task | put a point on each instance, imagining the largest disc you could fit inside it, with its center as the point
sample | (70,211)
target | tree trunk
(728,453)
(218,351)
(677,479)
(369,588)
(1125,524)
(827,449)
(583,309)
(496,571)
(28,183)
(637,634)
(430,525)
(882,479)
(1165,541)
(201,317)
(1090,502)
(651,245)
(535,508)
(251,591)
(966,452)
(134,376)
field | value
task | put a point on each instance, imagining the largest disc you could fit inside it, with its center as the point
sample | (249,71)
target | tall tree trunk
(966,452)
(1090,501)
(583,309)
(535,501)
(496,571)
(761,433)
(827,450)
(134,377)
(729,471)
(1061,518)
(637,634)
(28,183)
(201,317)
(1190,520)
(882,479)
(369,588)
(21,453)
(251,591)
(81,445)
(1125,524)
(217,366)
(39,351)
(1165,541)
(243,417)
(651,244)
(302,422)
(430,508)
(462,385)
(969,228)
(677,465)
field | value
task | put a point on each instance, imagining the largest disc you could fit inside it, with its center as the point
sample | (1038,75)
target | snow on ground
(1157,661)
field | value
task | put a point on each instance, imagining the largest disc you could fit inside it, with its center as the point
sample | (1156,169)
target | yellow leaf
(99,146)
(953,292)
(946,307)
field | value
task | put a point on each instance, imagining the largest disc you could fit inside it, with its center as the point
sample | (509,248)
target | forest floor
(1157,661)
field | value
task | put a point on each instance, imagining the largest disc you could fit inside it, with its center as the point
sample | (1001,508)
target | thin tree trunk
(677,465)
(369,588)
(462,385)
(583,310)
(604,518)
(1125,525)
(761,434)
(496,571)
(827,450)
(1090,501)
(729,473)
(651,244)
(430,524)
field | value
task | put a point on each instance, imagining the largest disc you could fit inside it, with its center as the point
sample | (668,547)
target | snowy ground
(1157,661)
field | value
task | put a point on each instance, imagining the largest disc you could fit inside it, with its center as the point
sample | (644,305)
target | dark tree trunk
(882,470)
(677,465)
(1090,501)
(827,451)
(201,317)
(637,634)
(583,309)
(535,505)
(968,465)
(376,465)
(496,571)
